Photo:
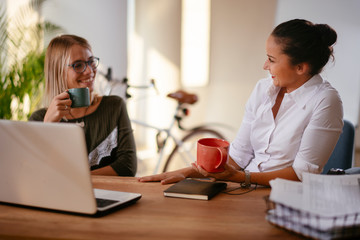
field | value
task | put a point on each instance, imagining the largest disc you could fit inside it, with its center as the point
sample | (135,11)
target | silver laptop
(46,165)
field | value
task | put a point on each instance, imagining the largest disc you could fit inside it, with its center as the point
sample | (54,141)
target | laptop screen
(45,165)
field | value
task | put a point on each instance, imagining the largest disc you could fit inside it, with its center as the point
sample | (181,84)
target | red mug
(212,154)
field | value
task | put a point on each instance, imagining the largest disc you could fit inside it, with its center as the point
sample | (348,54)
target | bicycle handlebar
(180,96)
(108,74)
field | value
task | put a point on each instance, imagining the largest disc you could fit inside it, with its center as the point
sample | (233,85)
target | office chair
(342,155)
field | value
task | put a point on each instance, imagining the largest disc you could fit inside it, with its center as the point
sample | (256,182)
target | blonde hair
(57,59)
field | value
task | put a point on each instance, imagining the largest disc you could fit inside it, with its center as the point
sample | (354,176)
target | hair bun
(327,34)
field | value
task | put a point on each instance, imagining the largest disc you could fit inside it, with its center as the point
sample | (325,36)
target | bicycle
(183,151)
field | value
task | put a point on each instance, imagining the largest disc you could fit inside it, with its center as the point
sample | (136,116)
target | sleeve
(38,115)
(320,136)
(125,163)
(240,149)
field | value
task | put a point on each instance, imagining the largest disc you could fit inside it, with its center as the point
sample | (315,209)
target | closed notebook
(193,189)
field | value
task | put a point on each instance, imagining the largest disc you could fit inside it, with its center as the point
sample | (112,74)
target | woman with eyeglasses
(69,63)
(293,118)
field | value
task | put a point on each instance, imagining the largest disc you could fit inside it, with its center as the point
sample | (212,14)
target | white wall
(237,54)
(102,22)
(154,53)
(239,30)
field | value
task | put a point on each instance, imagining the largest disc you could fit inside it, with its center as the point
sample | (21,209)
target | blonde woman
(70,63)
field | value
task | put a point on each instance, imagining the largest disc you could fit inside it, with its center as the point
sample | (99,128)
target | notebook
(194,189)
(45,165)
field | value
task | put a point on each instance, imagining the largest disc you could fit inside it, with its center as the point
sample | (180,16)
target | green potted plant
(22,55)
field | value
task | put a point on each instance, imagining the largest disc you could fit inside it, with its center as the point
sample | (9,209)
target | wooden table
(152,217)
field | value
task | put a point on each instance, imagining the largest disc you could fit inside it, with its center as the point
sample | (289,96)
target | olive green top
(109,136)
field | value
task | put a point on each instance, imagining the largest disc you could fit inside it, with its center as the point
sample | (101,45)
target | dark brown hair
(304,41)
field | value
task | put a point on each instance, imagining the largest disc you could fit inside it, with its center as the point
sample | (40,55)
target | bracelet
(247,182)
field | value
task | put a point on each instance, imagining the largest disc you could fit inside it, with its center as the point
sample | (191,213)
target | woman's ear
(303,68)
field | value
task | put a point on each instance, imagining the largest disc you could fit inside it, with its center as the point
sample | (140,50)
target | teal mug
(80,97)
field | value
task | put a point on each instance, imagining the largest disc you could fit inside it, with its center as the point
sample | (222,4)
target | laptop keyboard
(100,202)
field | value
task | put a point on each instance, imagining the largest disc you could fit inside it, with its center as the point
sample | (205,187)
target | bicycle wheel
(182,156)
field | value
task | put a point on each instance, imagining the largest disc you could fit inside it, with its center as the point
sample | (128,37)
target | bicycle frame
(182,142)
(169,134)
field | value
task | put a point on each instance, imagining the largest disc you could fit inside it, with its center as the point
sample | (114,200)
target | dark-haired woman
(293,118)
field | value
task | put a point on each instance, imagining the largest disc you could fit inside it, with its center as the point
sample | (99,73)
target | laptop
(45,165)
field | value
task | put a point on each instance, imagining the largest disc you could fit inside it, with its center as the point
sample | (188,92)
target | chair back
(342,156)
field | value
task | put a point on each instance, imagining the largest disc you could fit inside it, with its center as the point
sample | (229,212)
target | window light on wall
(195,42)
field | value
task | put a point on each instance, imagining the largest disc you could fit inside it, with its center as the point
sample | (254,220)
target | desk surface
(152,217)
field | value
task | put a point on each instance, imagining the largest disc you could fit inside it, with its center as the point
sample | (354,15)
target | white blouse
(303,134)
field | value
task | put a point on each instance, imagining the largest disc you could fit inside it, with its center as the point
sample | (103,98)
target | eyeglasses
(80,66)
